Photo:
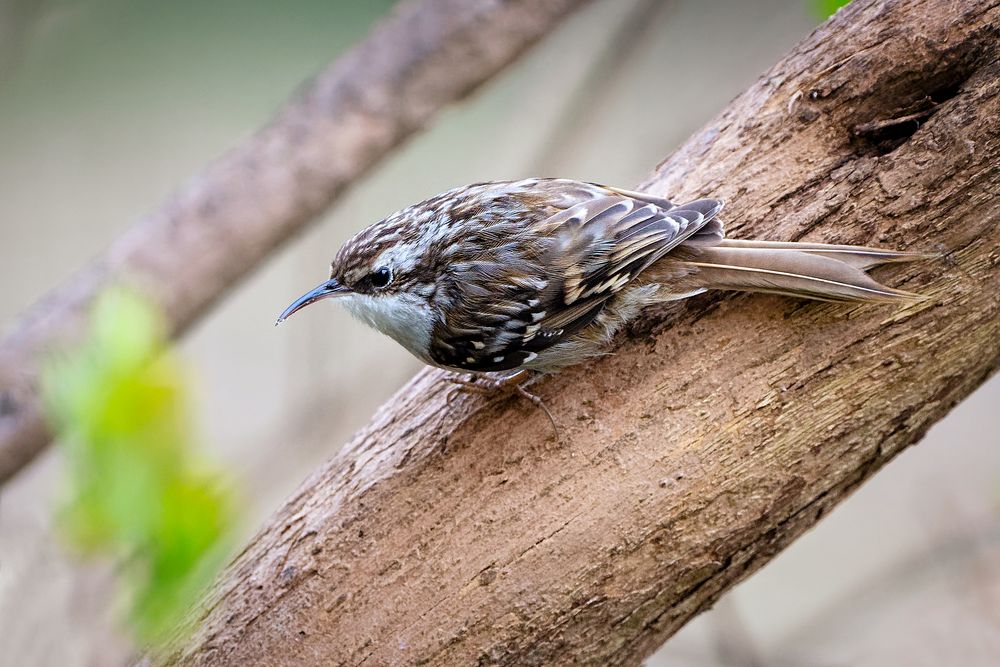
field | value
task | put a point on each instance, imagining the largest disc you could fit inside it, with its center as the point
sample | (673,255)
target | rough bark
(721,429)
(226,220)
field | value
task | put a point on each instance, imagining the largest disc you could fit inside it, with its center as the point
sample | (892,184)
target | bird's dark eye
(381,277)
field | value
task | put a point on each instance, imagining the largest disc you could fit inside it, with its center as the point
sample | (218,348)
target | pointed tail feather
(860,257)
(814,271)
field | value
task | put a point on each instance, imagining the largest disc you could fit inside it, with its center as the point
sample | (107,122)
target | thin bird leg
(492,386)
(540,404)
(477,385)
(484,384)
(469,383)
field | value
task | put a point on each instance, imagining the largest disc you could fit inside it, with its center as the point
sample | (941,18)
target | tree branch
(723,427)
(220,225)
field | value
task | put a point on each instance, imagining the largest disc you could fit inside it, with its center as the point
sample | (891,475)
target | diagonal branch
(226,220)
(723,428)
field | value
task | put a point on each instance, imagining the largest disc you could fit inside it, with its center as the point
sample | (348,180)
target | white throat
(404,317)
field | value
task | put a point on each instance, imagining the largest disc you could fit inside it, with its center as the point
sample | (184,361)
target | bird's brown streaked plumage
(541,273)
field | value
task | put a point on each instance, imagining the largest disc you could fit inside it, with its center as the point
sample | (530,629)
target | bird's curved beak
(329,289)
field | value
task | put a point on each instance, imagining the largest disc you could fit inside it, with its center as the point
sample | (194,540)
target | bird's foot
(492,386)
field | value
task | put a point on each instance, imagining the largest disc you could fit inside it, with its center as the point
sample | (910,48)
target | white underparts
(406,318)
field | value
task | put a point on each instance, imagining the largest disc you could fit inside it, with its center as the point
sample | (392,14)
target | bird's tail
(805,270)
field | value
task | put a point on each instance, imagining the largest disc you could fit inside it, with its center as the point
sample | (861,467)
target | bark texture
(226,220)
(721,429)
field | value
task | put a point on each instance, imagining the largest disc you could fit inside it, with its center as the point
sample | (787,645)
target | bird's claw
(491,386)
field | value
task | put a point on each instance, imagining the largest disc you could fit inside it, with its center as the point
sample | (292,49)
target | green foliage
(135,489)
(824,9)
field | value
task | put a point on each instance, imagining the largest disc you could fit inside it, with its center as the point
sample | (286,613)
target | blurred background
(107,105)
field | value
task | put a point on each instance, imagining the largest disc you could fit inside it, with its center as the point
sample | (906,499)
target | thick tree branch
(220,226)
(723,427)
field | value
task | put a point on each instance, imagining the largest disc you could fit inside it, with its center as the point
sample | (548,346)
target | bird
(500,278)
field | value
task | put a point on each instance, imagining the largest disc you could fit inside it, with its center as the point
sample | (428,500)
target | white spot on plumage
(612,284)
(531,283)
(571,285)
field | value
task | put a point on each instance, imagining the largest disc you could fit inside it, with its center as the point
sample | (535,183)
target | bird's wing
(603,244)
(555,275)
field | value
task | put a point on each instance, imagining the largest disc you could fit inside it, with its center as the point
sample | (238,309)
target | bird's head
(403,274)
(384,276)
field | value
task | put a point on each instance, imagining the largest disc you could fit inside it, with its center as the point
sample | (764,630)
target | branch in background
(720,431)
(590,95)
(224,222)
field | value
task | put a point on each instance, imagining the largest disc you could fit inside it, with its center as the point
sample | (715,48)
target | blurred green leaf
(134,489)
(824,9)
